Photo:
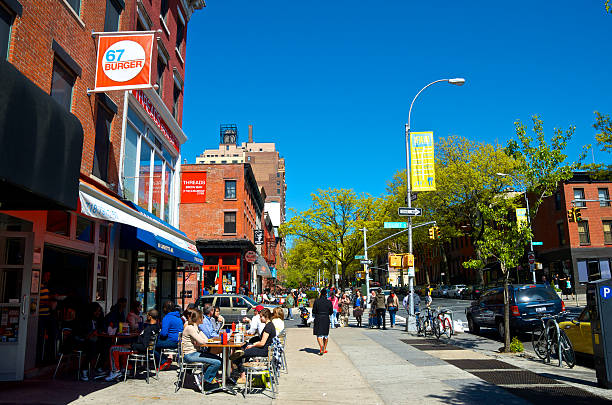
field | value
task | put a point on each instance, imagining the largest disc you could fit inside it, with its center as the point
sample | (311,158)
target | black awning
(40,147)
(219,245)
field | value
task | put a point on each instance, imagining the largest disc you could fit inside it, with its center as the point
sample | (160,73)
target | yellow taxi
(579,332)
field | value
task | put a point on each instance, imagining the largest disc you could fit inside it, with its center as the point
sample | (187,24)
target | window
(58,222)
(175,104)
(180,33)
(223,302)
(278,183)
(561,233)
(238,302)
(6,20)
(604,197)
(61,84)
(76,5)
(583,232)
(161,67)
(278,191)
(104,120)
(84,229)
(111,18)
(229,222)
(607,231)
(557,201)
(578,197)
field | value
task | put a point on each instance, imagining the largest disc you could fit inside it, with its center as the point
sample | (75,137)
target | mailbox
(599,304)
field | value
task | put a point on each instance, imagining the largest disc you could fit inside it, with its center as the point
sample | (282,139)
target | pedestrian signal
(432,232)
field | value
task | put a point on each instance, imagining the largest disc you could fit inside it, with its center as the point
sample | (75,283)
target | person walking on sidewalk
(358,310)
(289,304)
(334,317)
(392,306)
(372,321)
(428,296)
(381,309)
(322,310)
(344,304)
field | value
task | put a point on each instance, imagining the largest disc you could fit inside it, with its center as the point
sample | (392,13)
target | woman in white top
(278,317)
(193,338)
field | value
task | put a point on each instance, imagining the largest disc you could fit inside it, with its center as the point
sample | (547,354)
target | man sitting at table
(172,325)
(207,326)
(256,327)
(151,327)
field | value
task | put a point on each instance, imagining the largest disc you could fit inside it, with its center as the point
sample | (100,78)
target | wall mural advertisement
(193,187)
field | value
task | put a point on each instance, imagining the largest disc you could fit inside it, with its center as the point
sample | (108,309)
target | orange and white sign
(124,61)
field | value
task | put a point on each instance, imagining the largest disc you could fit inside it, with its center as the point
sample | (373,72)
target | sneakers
(241,380)
(198,381)
(165,365)
(236,355)
(85,375)
(114,375)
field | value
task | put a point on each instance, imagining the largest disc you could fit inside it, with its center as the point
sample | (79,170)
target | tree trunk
(506,308)
(480,270)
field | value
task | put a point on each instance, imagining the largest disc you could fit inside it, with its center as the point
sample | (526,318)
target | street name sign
(396,225)
(409,211)
(359,257)
(537,243)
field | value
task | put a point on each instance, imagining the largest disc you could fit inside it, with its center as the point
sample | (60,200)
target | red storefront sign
(193,187)
(156,117)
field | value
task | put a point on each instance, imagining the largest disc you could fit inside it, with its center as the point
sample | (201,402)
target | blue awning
(139,239)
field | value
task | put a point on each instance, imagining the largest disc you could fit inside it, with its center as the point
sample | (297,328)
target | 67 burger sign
(124,61)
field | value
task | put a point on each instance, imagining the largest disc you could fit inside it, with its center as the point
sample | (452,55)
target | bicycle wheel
(448,328)
(538,340)
(437,325)
(567,350)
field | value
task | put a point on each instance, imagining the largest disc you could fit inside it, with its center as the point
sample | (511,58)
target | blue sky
(331,81)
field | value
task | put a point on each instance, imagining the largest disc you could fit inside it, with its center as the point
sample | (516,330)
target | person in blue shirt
(207,326)
(172,325)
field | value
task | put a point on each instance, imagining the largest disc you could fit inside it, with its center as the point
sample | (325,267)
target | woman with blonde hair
(278,317)
(193,339)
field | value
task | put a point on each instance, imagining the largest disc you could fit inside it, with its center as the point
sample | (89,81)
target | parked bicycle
(424,321)
(442,324)
(550,341)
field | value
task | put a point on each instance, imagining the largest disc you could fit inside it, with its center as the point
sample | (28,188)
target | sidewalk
(328,379)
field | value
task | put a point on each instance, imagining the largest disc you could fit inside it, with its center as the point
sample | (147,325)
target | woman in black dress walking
(321,311)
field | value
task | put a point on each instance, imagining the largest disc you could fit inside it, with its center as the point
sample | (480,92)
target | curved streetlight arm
(417,95)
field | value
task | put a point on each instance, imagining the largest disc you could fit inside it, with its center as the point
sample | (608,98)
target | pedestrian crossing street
(399,320)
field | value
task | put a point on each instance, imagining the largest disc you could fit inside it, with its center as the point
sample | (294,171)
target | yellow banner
(422,170)
(521,217)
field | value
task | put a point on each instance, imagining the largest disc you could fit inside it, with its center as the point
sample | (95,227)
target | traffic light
(577,214)
(437,233)
(432,232)
(571,215)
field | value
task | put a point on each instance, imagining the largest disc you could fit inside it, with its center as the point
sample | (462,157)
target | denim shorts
(323,336)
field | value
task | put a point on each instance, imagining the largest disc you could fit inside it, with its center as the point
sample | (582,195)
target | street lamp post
(459,81)
(529,224)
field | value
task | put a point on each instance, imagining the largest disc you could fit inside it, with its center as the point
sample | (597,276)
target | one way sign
(409,211)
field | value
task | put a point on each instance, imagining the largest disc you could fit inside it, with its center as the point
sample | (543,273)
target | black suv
(527,302)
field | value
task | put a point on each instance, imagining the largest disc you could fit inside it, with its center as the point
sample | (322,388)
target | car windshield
(536,294)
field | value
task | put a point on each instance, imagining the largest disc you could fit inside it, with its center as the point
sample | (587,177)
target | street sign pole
(367,271)
(410,322)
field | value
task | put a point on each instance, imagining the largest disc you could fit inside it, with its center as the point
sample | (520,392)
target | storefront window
(84,230)
(155,193)
(152,292)
(140,279)
(102,239)
(58,222)
(144,175)
(158,168)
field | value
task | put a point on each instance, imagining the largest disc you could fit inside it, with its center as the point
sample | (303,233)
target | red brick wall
(544,225)
(593,212)
(33,33)
(205,220)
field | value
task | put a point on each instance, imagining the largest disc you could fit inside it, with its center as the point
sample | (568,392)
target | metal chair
(145,358)
(183,366)
(263,366)
(73,353)
(283,363)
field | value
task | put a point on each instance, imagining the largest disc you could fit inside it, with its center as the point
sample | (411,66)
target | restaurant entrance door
(15,281)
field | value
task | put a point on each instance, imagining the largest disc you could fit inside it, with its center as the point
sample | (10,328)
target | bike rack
(549,325)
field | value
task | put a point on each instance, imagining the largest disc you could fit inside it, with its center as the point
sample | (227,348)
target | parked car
(441,291)
(578,331)
(527,301)
(233,307)
(472,292)
(455,290)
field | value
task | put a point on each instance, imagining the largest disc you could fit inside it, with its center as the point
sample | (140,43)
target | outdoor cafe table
(225,363)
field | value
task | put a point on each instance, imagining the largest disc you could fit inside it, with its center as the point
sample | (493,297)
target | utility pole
(410,322)
(367,271)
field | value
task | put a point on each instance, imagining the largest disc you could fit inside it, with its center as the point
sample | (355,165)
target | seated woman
(257,349)
(140,346)
(217,320)
(133,317)
(278,317)
(194,338)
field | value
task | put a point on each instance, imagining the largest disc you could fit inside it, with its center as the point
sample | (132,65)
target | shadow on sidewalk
(310,350)
(47,391)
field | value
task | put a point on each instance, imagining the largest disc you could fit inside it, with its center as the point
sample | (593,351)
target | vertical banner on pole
(422,168)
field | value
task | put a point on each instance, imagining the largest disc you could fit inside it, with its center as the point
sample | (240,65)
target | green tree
(303,262)
(603,126)
(332,224)
(503,240)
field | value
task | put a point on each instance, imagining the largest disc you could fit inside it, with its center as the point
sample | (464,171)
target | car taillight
(514,310)
(562,306)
